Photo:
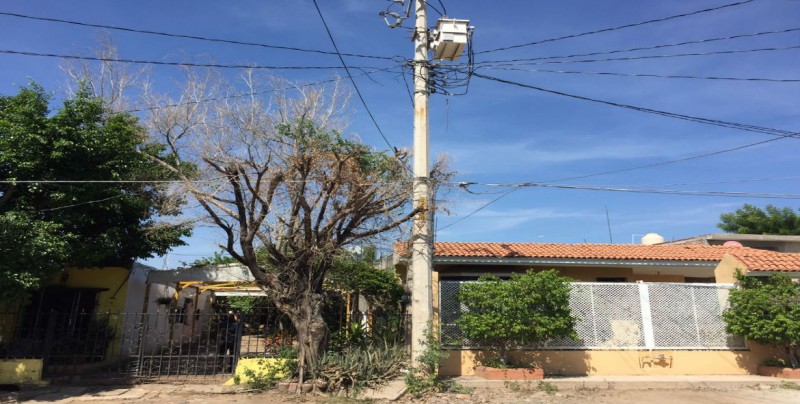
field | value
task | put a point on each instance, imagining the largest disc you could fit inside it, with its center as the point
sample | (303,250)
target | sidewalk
(100,394)
(214,392)
(635,382)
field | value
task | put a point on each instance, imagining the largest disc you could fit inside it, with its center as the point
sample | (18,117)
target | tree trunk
(312,333)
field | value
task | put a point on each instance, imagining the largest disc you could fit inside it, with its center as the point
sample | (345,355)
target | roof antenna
(608,223)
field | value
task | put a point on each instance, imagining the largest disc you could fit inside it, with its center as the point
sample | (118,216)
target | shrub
(526,310)
(766,310)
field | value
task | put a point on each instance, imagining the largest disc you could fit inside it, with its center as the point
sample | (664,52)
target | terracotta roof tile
(756,260)
(759,260)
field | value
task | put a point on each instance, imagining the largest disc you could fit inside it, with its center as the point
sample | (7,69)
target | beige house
(643,309)
(787,244)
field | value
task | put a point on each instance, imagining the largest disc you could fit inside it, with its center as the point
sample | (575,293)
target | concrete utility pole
(422,246)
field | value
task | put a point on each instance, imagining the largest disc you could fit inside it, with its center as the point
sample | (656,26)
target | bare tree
(285,185)
(114,82)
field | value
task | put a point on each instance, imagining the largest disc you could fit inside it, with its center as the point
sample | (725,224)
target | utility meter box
(450,38)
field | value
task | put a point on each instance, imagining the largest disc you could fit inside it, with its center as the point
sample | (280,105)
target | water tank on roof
(652,238)
(732,243)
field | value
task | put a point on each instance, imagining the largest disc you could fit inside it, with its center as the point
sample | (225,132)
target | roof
(584,251)
(761,260)
(754,259)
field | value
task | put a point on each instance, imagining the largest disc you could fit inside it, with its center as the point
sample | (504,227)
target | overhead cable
(641,48)
(637,24)
(181,64)
(732,194)
(660,76)
(707,121)
(352,80)
(643,57)
(186,36)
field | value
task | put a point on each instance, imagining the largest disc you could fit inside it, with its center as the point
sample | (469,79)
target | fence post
(647,316)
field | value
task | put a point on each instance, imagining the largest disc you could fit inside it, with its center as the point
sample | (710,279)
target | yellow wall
(621,362)
(725,272)
(601,362)
(108,278)
(21,371)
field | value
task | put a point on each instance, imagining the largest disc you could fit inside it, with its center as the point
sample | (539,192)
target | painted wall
(725,272)
(112,278)
(21,371)
(629,362)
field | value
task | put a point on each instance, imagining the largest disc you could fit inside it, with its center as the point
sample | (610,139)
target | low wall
(21,371)
(627,362)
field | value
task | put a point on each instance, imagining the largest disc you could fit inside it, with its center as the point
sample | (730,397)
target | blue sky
(498,133)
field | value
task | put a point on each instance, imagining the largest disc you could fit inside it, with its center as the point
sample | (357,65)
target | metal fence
(622,316)
(162,344)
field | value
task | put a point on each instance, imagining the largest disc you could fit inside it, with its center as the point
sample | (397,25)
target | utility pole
(422,241)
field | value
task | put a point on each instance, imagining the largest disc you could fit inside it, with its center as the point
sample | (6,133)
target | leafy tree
(766,310)
(287,189)
(750,219)
(358,274)
(526,310)
(55,171)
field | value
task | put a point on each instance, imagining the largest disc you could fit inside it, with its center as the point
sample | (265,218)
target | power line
(352,80)
(637,24)
(479,209)
(661,46)
(645,191)
(249,94)
(672,55)
(707,121)
(181,64)
(186,36)
(660,76)
(663,163)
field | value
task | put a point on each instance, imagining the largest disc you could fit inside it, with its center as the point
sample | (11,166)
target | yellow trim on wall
(21,371)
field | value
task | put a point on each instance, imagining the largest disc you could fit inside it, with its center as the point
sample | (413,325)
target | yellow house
(642,309)
(77,320)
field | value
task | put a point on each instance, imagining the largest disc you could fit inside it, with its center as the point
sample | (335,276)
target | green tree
(526,310)
(766,310)
(57,173)
(358,274)
(750,219)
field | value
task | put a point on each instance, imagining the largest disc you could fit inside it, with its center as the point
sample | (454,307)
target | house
(78,320)
(787,244)
(642,309)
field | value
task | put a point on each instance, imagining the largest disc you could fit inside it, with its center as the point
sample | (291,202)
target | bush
(354,369)
(526,310)
(422,377)
(766,310)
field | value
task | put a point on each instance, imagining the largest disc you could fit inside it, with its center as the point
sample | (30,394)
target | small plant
(786,386)
(423,378)
(547,387)
(357,368)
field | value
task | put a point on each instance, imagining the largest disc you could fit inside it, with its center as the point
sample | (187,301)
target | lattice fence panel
(622,316)
(690,316)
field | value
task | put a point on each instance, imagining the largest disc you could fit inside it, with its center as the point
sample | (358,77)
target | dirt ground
(508,394)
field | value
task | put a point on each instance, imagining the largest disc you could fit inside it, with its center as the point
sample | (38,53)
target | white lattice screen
(623,316)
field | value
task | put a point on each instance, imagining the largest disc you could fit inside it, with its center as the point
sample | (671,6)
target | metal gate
(149,345)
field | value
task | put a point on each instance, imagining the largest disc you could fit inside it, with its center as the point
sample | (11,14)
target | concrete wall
(619,362)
